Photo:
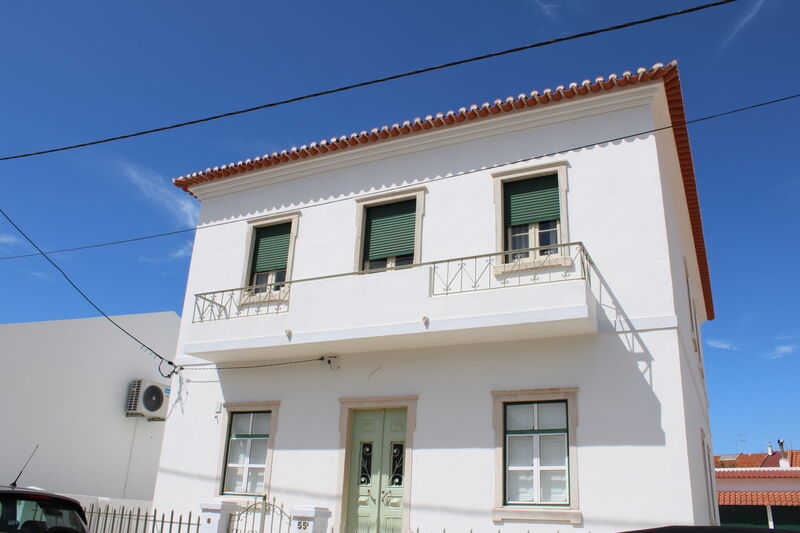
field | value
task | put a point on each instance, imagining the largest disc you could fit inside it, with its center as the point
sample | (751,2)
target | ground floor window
(246,457)
(536,453)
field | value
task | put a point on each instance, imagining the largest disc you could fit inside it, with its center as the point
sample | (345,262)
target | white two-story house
(483,320)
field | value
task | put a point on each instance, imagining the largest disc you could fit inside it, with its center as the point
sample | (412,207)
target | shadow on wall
(617,405)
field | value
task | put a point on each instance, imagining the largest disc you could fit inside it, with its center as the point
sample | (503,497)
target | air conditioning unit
(147,399)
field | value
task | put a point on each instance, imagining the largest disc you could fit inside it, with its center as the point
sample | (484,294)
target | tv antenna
(14,483)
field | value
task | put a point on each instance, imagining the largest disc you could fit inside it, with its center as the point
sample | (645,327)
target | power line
(144,346)
(375,81)
(260,365)
(335,200)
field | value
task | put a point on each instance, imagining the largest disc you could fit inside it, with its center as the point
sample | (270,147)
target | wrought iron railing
(262,516)
(128,520)
(241,302)
(529,266)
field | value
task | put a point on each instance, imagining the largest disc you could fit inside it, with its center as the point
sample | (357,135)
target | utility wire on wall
(376,81)
(335,200)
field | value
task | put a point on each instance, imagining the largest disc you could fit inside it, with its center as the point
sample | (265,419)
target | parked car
(38,511)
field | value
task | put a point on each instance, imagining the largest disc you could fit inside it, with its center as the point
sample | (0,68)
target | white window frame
(552,512)
(502,232)
(533,241)
(536,469)
(225,412)
(415,193)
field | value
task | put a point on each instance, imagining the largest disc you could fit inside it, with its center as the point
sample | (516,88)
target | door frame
(346,408)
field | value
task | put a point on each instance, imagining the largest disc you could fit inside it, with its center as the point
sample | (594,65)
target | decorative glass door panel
(377,471)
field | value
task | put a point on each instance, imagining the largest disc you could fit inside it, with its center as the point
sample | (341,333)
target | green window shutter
(531,200)
(272,247)
(390,230)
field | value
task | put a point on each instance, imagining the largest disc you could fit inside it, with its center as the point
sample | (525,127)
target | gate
(261,516)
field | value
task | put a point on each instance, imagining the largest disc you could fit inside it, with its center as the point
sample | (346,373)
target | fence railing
(122,520)
(528,266)
(262,516)
(241,302)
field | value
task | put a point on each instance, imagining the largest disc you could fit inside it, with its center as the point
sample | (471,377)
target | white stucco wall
(641,400)
(64,385)
(758,485)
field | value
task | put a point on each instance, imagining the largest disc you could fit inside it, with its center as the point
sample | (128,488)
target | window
(536,453)
(531,214)
(246,457)
(270,257)
(536,474)
(389,235)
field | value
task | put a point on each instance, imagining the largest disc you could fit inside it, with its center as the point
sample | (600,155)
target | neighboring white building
(433,379)
(64,386)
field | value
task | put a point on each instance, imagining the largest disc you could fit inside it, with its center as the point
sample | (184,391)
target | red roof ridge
(668,73)
(658,70)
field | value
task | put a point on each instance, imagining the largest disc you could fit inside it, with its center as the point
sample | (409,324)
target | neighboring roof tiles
(757,473)
(758,498)
(794,458)
(668,73)
(742,460)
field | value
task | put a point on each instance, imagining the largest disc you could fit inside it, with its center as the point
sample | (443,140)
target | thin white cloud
(184,250)
(780,351)
(722,345)
(40,276)
(744,21)
(8,239)
(155,187)
(551,10)
(784,337)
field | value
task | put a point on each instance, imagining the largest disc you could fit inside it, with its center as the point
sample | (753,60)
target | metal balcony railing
(529,266)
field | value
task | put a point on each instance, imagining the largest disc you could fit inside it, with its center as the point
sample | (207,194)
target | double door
(377,477)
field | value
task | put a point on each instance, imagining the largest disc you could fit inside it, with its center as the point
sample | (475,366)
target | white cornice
(526,118)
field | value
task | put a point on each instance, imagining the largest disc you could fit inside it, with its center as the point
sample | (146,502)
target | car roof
(22,491)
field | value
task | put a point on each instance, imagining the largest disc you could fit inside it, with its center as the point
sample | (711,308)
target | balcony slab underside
(380,312)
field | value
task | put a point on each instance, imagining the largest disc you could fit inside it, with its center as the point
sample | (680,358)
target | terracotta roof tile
(758,498)
(668,74)
(743,460)
(760,473)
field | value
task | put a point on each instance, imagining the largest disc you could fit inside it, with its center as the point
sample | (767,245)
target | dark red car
(37,511)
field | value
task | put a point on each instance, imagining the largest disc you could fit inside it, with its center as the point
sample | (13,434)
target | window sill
(263,297)
(573,516)
(522,265)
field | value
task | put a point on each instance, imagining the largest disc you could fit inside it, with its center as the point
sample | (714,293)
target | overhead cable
(401,187)
(375,81)
(144,346)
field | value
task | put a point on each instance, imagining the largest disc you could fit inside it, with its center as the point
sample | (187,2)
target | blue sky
(78,71)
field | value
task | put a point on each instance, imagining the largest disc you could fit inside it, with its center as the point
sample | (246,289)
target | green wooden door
(377,477)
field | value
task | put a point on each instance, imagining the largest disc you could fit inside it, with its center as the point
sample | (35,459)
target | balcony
(532,293)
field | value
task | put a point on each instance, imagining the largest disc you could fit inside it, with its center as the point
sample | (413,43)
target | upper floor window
(389,235)
(246,458)
(270,257)
(532,216)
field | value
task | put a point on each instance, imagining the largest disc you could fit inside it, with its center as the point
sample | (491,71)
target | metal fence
(122,520)
(262,516)
(529,266)
(241,302)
